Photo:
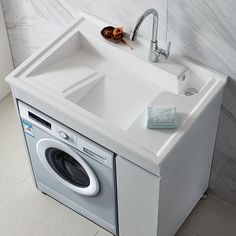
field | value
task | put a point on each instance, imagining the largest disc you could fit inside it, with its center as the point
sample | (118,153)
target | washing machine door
(67,166)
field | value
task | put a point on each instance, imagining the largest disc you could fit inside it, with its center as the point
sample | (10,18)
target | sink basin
(104,80)
(117,98)
(92,77)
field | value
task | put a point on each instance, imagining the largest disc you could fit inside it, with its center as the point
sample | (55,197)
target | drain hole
(190,91)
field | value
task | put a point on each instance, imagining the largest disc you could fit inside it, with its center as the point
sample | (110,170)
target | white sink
(111,83)
(107,86)
(99,78)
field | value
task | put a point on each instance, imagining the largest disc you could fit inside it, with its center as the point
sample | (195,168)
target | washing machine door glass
(67,166)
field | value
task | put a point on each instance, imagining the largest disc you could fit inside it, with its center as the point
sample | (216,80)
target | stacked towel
(161,117)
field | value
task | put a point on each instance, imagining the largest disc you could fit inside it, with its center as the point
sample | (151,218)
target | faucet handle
(166,53)
(159,51)
(168,50)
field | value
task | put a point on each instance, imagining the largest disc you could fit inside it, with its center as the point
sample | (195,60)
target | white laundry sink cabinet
(100,90)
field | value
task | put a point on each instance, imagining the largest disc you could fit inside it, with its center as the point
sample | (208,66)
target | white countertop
(144,147)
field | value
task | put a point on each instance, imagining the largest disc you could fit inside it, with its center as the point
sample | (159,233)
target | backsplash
(204,30)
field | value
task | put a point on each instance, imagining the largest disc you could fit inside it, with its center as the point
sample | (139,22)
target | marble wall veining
(204,30)
(30,23)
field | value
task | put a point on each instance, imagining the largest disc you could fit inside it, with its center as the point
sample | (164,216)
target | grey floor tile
(13,155)
(66,222)
(25,210)
(212,217)
(186,232)
(8,184)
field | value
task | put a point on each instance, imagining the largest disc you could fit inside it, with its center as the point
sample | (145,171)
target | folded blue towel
(161,117)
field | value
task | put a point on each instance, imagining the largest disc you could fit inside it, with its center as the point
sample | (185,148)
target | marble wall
(30,23)
(204,30)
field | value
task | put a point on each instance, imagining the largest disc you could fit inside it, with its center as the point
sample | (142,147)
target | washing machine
(71,168)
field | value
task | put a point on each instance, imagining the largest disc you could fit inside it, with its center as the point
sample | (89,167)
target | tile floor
(24,211)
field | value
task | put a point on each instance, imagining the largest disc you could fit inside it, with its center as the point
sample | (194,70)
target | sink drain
(190,91)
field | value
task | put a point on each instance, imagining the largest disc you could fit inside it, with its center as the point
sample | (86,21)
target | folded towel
(161,117)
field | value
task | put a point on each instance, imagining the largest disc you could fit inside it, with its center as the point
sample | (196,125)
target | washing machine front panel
(95,163)
(101,208)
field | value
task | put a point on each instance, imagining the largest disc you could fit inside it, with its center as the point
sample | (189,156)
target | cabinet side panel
(186,170)
(137,199)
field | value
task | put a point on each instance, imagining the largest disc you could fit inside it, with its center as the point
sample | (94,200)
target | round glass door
(67,166)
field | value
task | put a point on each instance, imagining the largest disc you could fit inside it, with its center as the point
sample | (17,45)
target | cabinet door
(6,64)
(138,192)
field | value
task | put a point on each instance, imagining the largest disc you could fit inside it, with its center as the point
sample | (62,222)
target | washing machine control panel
(63,135)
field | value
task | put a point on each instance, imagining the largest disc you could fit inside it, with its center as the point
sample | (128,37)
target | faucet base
(153,56)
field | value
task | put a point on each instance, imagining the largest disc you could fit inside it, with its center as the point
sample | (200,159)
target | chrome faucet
(154,52)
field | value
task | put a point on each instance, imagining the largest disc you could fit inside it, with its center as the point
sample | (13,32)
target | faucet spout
(154,52)
(140,20)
